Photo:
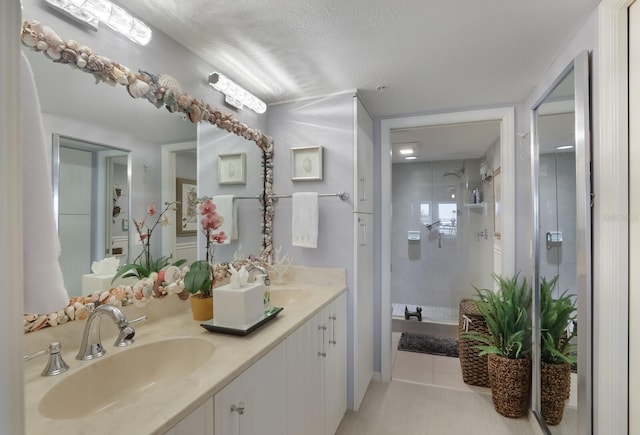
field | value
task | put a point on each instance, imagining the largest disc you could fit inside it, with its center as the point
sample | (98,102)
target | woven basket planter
(474,366)
(555,383)
(510,385)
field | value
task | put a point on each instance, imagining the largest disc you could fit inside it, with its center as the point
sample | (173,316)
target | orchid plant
(200,278)
(144,264)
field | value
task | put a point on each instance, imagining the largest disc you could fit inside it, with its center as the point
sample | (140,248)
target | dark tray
(269,314)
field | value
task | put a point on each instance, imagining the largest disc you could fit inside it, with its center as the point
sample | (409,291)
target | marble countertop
(168,318)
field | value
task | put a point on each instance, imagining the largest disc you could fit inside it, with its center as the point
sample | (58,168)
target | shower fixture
(459,173)
(432,224)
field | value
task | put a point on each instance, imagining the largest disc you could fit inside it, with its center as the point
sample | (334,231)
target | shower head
(459,173)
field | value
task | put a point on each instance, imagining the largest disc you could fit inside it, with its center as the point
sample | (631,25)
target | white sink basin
(289,297)
(119,379)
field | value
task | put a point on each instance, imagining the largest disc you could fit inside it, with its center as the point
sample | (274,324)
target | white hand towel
(227,207)
(44,290)
(304,219)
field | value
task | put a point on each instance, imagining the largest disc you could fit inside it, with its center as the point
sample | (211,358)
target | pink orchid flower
(152,209)
(219,238)
(211,221)
(207,207)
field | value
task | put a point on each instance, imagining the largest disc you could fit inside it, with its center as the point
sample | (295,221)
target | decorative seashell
(30,317)
(118,75)
(95,63)
(74,45)
(52,37)
(29,37)
(184,295)
(54,52)
(104,296)
(195,115)
(167,82)
(147,291)
(153,276)
(42,45)
(69,56)
(82,313)
(138,88)
(172,274)
(70,312)
(62,317)
(52,319)
(38,324)
(172,288)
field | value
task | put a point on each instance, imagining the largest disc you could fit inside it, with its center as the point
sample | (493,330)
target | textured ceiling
(431,55)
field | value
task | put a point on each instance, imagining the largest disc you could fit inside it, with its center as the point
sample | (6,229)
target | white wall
(327,122)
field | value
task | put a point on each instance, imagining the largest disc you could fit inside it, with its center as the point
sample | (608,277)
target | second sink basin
(289,297)
(116,380)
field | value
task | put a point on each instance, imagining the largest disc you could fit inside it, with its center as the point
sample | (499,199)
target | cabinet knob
(322,327)
(322,354)
(239,408)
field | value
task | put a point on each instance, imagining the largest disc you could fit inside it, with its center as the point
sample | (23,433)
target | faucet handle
(56,364)
(139,319)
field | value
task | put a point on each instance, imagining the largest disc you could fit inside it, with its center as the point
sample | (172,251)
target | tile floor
(427,396)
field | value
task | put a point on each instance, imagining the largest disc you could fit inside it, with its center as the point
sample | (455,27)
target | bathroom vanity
(287,377)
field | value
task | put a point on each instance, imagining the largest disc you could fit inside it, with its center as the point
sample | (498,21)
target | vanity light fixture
(564,147)
(92,12)
(486,174)
(235,94)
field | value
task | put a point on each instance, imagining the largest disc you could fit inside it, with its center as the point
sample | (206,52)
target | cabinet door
(305,378)
(199,422)
(363,307)
(255,402)
(336,364)
(363,139)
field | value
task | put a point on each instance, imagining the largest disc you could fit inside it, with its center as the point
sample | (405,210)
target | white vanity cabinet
(199,422)
(317,372)
(255,402)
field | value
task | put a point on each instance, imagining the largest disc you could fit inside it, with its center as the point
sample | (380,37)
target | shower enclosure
(442,237)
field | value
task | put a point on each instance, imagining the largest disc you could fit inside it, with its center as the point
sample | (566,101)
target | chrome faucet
(55,364)
(262,270)
(91,346)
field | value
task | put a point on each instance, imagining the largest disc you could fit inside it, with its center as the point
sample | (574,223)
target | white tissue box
(238,307)
(92,282)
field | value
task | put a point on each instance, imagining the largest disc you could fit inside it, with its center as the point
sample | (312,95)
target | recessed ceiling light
(410,158)
(406,151)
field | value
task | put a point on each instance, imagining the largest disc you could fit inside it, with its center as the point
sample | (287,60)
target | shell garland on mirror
(160,90)
(140,293)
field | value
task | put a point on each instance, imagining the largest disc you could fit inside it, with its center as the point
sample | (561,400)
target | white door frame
(168,183)
(506,116)
(610,222)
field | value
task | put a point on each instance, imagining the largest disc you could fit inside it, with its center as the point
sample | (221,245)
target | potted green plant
(507,345)
(200,278)
(557,353)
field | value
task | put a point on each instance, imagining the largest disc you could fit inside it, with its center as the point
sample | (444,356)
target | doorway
(504,230)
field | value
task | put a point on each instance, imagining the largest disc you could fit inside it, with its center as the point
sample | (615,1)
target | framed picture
(497,201)
(306,163)
(187,207)
(232,168)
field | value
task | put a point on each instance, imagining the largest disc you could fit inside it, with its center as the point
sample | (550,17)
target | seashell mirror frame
(160,90)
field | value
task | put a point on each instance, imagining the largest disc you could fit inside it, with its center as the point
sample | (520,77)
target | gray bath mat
(422,343)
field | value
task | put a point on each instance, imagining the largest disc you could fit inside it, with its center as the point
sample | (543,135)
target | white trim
(11,263)
(610,223)
(507,158)
(168,183)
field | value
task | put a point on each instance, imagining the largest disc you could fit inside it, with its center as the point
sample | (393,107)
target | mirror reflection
(561,368)
(229,172)
(91,190)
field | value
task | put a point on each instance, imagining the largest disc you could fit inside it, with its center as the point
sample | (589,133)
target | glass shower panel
(454,252)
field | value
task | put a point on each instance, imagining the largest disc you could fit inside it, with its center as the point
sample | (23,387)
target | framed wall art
(232,168)
(306,163)
(187,207)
